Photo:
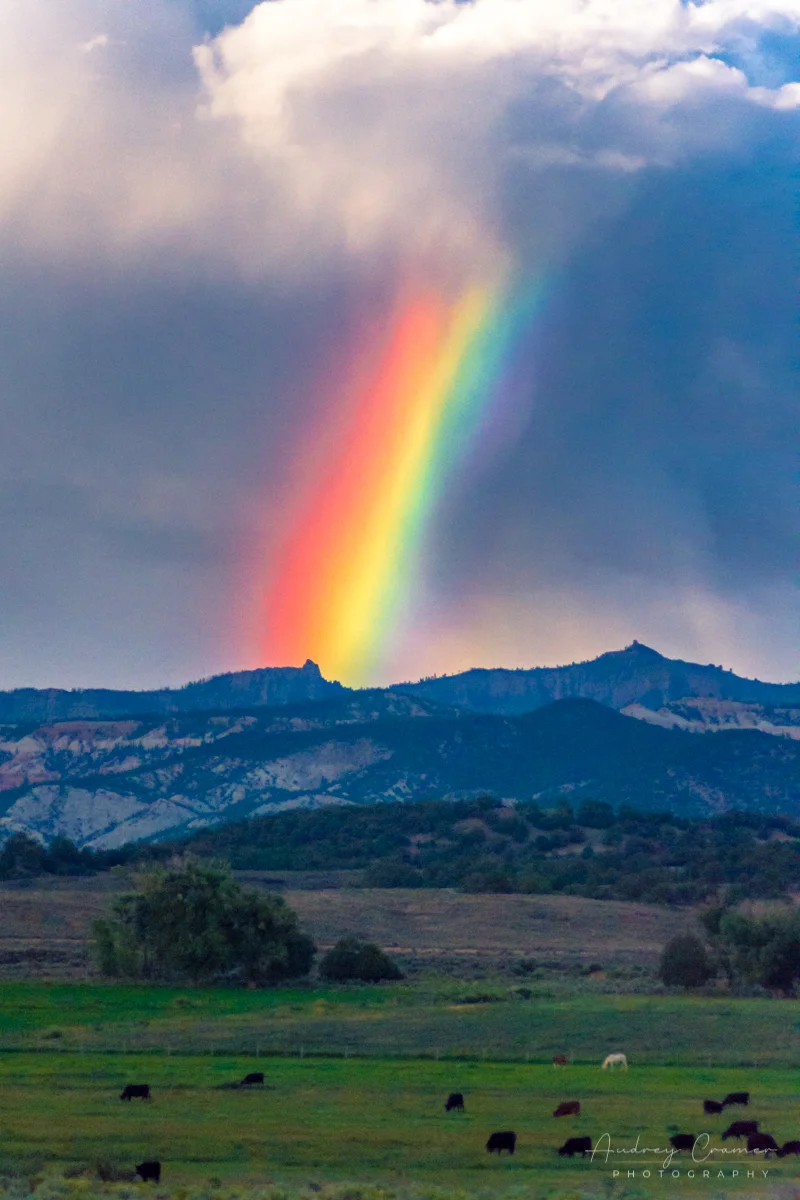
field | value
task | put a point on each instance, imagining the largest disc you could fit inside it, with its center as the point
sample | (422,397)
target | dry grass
(44,929)
(431,923)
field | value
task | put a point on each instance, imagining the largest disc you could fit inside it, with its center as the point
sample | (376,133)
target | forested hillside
(482,845)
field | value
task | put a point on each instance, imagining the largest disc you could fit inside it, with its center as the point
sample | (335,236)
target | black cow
(572,1146)
(761,1143)
(789,1148)
(136,1091)
(740,1129)
(502,1141)
(568,1108)
(454,1100)
(255,1078)
(150,1171)
(736,1098)
(683,1141)
(712,1106)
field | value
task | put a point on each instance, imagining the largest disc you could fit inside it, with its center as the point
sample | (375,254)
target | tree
(763,950)
(353,959)
(595,814)
(194,922)
(685,963)
(22,856)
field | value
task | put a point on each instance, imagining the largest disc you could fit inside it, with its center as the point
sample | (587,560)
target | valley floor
(357,1076)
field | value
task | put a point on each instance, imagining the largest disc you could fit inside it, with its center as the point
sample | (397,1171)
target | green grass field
(364,1120)
(419,1020)
(376,1118)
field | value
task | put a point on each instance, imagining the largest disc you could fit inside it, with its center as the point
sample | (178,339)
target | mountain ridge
(637,674)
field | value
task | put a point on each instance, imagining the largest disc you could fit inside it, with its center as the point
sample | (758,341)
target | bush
(352,959)
(684,962)
(193,922)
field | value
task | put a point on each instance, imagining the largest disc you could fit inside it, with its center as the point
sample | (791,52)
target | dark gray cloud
(179,291)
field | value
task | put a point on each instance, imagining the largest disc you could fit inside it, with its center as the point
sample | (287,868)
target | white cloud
(395,120)
(98,42)
(315,128)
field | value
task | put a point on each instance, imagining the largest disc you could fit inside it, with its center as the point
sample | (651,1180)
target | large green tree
(194,922)
(762,949)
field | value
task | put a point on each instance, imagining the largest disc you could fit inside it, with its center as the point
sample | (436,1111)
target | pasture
(364,1105)
(371,1121)
(417,1019)
(358,1075)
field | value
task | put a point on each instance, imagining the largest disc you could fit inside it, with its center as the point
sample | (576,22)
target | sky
(217,221)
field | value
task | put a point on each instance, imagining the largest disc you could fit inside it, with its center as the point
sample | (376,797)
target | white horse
(615,1060)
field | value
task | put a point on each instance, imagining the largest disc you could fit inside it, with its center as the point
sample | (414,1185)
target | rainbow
(344,570)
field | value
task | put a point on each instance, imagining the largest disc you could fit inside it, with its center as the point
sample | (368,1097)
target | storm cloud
(201,207)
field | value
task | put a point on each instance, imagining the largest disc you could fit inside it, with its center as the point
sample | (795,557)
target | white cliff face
(102,784)
(706,714)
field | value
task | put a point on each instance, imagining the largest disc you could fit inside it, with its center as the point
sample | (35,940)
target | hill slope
(105,783)
(635,675)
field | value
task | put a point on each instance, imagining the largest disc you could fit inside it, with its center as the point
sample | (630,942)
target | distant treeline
(480,845)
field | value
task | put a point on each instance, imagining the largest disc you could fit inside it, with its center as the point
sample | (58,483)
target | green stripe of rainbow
(346,565)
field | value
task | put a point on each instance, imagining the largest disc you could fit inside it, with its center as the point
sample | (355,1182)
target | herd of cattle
(506,1139)
(757,1142)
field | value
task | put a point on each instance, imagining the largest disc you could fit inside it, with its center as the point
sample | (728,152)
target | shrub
(684,962)
(352,959)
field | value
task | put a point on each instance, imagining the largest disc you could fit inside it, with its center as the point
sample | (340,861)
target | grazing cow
(736,1098)
(572,1146)
(789,1148)
(150,1171)
(568,1108)
(502,1141)
(454,1100)
(255,1078)
(615,1060)
(559,1060)
(136,1091)
(683,1141)
(740,1129)
(761,1143)
(712,1106)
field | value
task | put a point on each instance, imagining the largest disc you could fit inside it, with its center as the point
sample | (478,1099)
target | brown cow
(568,1108)
(559,1060)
